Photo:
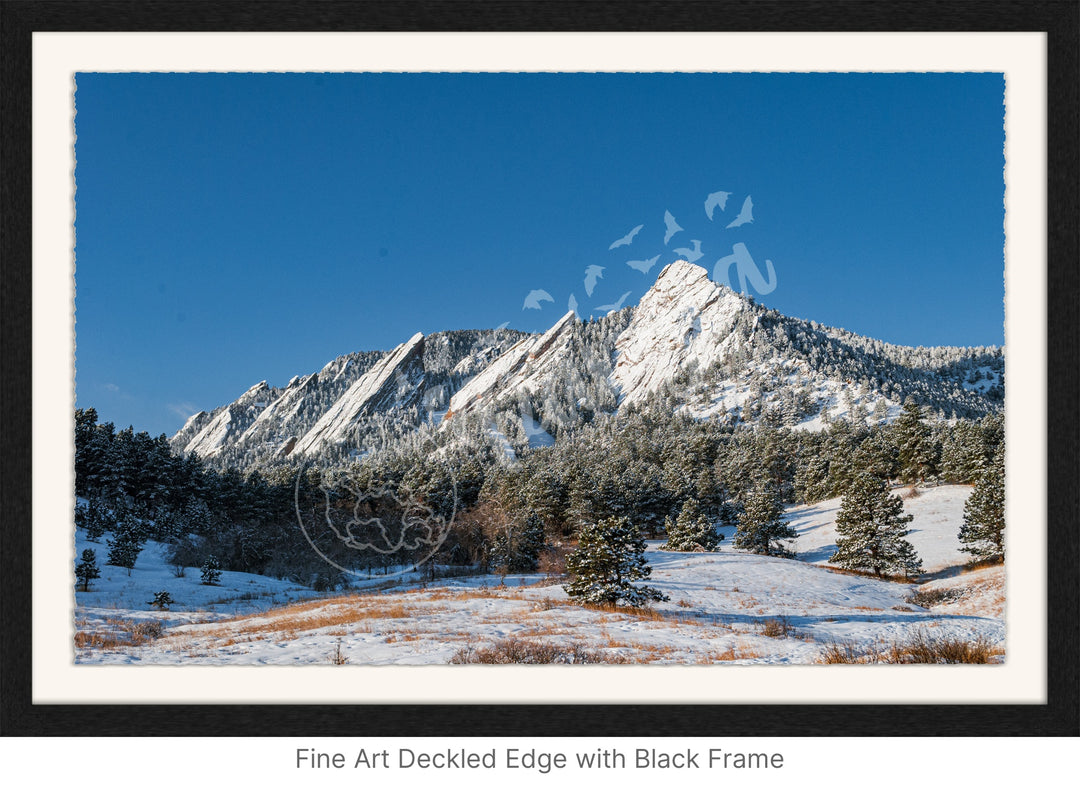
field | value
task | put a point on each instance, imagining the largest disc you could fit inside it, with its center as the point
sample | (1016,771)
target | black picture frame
(1059,716)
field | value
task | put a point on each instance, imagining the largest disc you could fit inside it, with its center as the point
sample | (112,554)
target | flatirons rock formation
(690,345)
(392,383)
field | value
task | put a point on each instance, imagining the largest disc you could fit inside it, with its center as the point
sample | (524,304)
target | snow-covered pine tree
(87,570)
(983,531)
(126,543)
(610,556)
(692,531)
(871,526)
(916,452)
(881,411)
(962,452)
(211,571)
(812,477)
(196,517)
(162,600)
(530,544)
(762,526)
(99,519)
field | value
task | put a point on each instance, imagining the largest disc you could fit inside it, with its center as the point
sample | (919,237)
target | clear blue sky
(234,228)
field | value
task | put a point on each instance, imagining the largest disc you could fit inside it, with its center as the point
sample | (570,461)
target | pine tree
(87,570)
(517,549)
(99,519)
(126,544)
(761,525)
(812,477)
(916,452)
(962,453)
(983,531)
(196,517)
(162,600)
(881,411)
(530,544)
(501,555)
(211,571)
(692,531)
(871,528)
(610,556)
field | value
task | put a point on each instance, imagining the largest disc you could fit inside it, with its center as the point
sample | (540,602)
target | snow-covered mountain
(684,318)
(689,345)
(525,366)
(351,395)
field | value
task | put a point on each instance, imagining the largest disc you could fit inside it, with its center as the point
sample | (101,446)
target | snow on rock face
(231,421)
(524,365)
(280,411)
(475,363)
(395,381)
(684,316)
(195,420)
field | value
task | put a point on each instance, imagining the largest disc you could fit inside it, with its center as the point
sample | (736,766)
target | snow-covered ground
(727,606)
(938,512)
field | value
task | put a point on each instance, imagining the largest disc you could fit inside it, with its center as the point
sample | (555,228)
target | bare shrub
(553,561)
(841,654)
(120,634)
(143,631)
(933,596)
(547,603)
(338,657)
(776,627)
(514,651)
(919,649)
(924,649)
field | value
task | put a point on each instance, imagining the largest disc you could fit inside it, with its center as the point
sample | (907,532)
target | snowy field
(727,606)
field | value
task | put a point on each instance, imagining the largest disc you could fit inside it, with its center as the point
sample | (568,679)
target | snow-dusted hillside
(938,512)
(727,606)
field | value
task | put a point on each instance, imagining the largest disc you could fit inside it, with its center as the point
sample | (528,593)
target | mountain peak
(681,271)
(393,382)
(683,316)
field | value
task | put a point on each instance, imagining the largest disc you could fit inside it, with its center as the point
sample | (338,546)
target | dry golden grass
(102,641)
(918,649)
(733,654)
(976,565)
(515,651)
(546,630)
(860,573)
(289,622)
(117,633)
(970,593)
(640,613)
(468,595)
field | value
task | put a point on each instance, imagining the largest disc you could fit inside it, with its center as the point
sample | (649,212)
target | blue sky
(234,228)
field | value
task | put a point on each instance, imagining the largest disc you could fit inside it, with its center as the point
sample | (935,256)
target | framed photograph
(709,362)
